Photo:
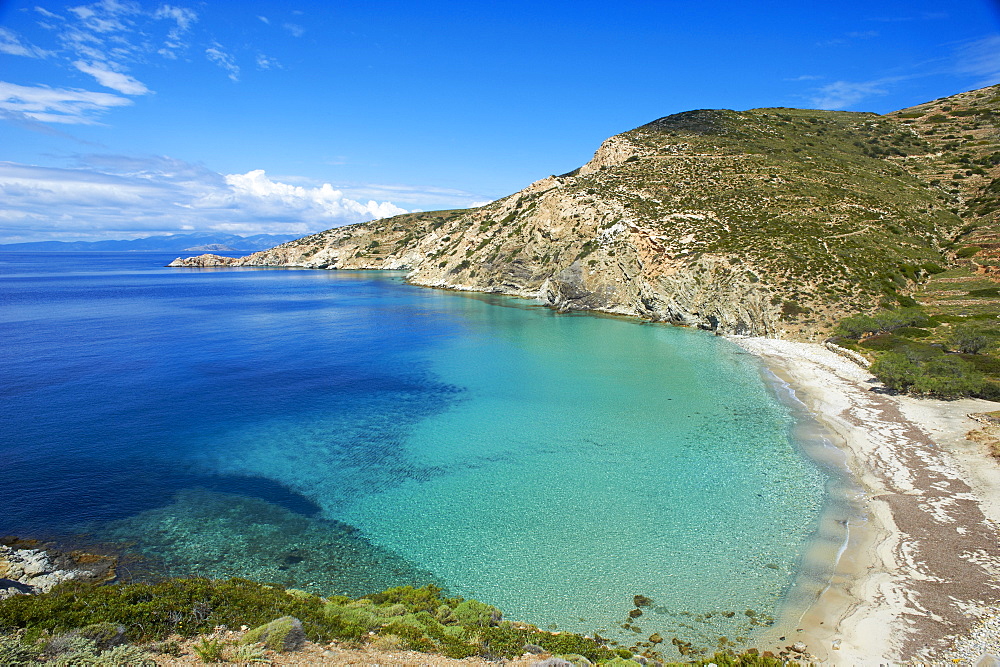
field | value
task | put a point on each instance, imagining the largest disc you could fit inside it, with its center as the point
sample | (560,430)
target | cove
(345,431)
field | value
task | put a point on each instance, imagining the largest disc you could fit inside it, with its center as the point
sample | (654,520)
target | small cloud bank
(110,196)
(56,105)
(256,192)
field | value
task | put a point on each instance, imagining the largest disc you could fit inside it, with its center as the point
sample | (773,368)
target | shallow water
(553,465)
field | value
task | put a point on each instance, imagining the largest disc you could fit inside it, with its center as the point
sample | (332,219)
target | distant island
(198,242)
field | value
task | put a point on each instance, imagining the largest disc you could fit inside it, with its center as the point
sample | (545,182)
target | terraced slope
(767,222)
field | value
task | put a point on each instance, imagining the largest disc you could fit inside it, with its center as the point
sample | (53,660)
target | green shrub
(857,326)
(281,634)
(476,614)
(154,611)
(970,338)
(15,651)
(426,598)
(967,251)
(210,650)
(248,653)
(943,376)
(948,377)
(895,370)
(912,332)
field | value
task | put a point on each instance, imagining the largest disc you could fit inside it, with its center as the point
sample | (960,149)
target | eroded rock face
(26,571)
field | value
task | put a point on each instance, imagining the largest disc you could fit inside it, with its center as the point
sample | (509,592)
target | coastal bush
(154,611)
(15,651)
(414,618)
(942,376)
(971,337)
(895,370)
(746,659)
(476,614)
(857,326)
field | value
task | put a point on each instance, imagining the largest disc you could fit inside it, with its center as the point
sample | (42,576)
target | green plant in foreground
(210,649)
(247,653)
(14,651)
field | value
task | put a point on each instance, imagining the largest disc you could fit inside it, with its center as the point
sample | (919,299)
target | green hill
(768,221)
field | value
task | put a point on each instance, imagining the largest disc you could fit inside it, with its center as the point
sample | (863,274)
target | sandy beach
(917,570)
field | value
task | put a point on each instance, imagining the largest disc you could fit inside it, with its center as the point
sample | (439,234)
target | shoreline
(920,569)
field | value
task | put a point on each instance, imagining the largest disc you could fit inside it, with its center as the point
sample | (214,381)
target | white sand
(924,565)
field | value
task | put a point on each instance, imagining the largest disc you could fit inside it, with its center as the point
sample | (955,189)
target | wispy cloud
(106,40)
(981,59)
(266,62)
(183,19)
(223,59)
(57,105)
(47,14)
(129,194)
(921,16)
(294,29)
(849,37)
(111,79)
(13,45)
(844,94)
(107,16)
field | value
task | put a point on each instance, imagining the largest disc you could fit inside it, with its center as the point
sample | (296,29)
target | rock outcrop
(27,571)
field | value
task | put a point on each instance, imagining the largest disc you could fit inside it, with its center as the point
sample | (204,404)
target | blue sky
(121,119)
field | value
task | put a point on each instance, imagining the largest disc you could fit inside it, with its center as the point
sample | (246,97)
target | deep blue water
(345,431)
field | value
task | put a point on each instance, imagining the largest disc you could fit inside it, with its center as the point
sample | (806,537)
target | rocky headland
(767,222)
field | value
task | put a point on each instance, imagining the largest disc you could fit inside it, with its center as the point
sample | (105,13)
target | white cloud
(183,19)
(11,44)
(223,60)
(981,58)
(47,14)
(843,94)
(109,193)
(265,19)
(255,191)
(265,62)
(111,79)
(183,16)
(57,105)
(294,29)
(106,16)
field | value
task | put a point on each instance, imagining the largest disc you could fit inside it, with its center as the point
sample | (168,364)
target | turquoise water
(342,432)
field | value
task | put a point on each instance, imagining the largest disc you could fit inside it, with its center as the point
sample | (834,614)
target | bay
(345,431)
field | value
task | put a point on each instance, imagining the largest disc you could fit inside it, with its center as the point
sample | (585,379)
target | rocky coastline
(29,567)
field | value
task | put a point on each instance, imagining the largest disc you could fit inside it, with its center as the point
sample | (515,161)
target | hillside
(767,222)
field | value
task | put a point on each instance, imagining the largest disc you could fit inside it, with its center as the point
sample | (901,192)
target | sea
(342,432)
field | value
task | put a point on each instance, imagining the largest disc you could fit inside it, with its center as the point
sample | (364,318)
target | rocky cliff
(763,222)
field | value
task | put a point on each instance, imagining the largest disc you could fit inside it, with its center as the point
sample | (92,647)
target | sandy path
(929,562)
